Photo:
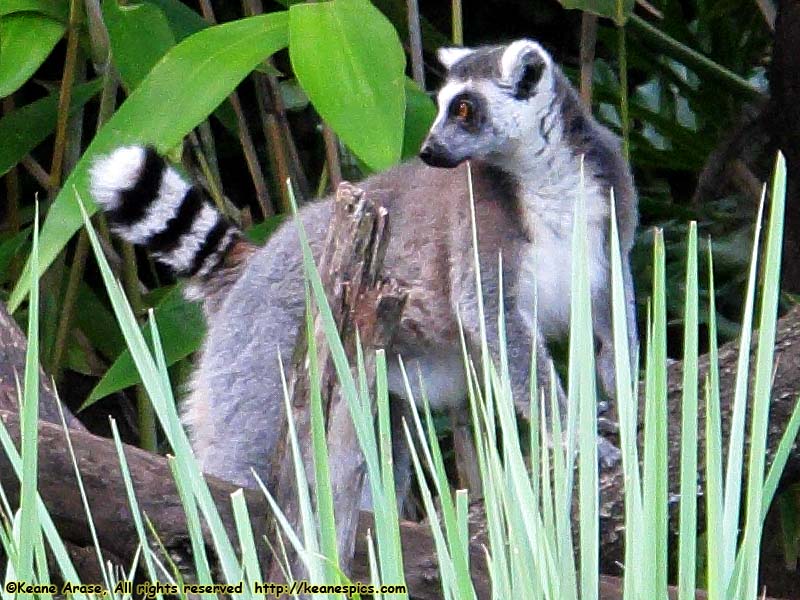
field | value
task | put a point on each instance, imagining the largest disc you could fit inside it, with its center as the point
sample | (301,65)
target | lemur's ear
(522,66)
(450,56)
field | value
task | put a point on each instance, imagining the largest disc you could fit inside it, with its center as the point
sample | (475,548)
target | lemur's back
(236,381)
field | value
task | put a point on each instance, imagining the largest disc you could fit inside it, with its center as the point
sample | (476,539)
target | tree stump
(366,309)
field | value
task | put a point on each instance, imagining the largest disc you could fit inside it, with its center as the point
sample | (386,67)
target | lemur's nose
(435,154)
(426,153)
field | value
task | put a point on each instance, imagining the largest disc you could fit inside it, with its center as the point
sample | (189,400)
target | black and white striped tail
(147,202)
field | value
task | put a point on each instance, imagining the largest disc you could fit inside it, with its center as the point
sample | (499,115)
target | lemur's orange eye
(465,111)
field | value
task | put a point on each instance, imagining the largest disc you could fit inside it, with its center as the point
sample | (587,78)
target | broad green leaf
(420,113)
(349,60)
(9,249)
(618,10)
(57,9)
(181,328)
(135,54)
(182,20)
(26,39)
(77,359)
(97,322)
(26,127)
(259,232)
(178,93)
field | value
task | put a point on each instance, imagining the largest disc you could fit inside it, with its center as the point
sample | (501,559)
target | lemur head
(493,104)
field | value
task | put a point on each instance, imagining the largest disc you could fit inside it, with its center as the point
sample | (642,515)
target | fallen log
(785,391)
(13,346)
(158,498)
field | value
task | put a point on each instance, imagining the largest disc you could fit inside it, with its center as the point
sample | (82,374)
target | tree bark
(13,346)
(785,390)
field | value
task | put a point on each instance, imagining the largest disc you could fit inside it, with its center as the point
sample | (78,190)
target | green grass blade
(389,544)
(763,380)
(714,493)
(133,503)
(324,492)
(627,408)
(245,533)
(781,457)
(687,541)
(84,500)
(66,568)
(446,567)
(581,368)
(733,472)
(29,426)
(655,483)
(202,568)
(486,357)
(307,525)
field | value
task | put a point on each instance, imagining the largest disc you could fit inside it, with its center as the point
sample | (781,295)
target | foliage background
(683,81)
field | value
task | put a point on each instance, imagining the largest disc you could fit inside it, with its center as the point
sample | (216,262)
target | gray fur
(525,160)
(482,63)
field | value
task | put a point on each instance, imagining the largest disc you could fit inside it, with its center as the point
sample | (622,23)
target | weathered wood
(13,345)
(102,479)
(785,391)
(365,309)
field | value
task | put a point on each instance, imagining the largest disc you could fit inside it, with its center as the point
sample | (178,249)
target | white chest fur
(545,276)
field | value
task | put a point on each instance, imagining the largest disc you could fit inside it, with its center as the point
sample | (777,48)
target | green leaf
(191,80)
(25,128)
(26,39)
(259,232)
(9,249)
(97,323)
(294,98)
(57,9)
(619,10)
(349,60)
(135,54)
(182,20)
(420,113)
(181,328)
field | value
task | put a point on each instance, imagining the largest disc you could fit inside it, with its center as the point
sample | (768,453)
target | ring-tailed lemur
(508,110)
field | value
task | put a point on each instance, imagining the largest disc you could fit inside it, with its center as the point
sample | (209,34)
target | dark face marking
(467,111)
(458,136)
(436,154)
